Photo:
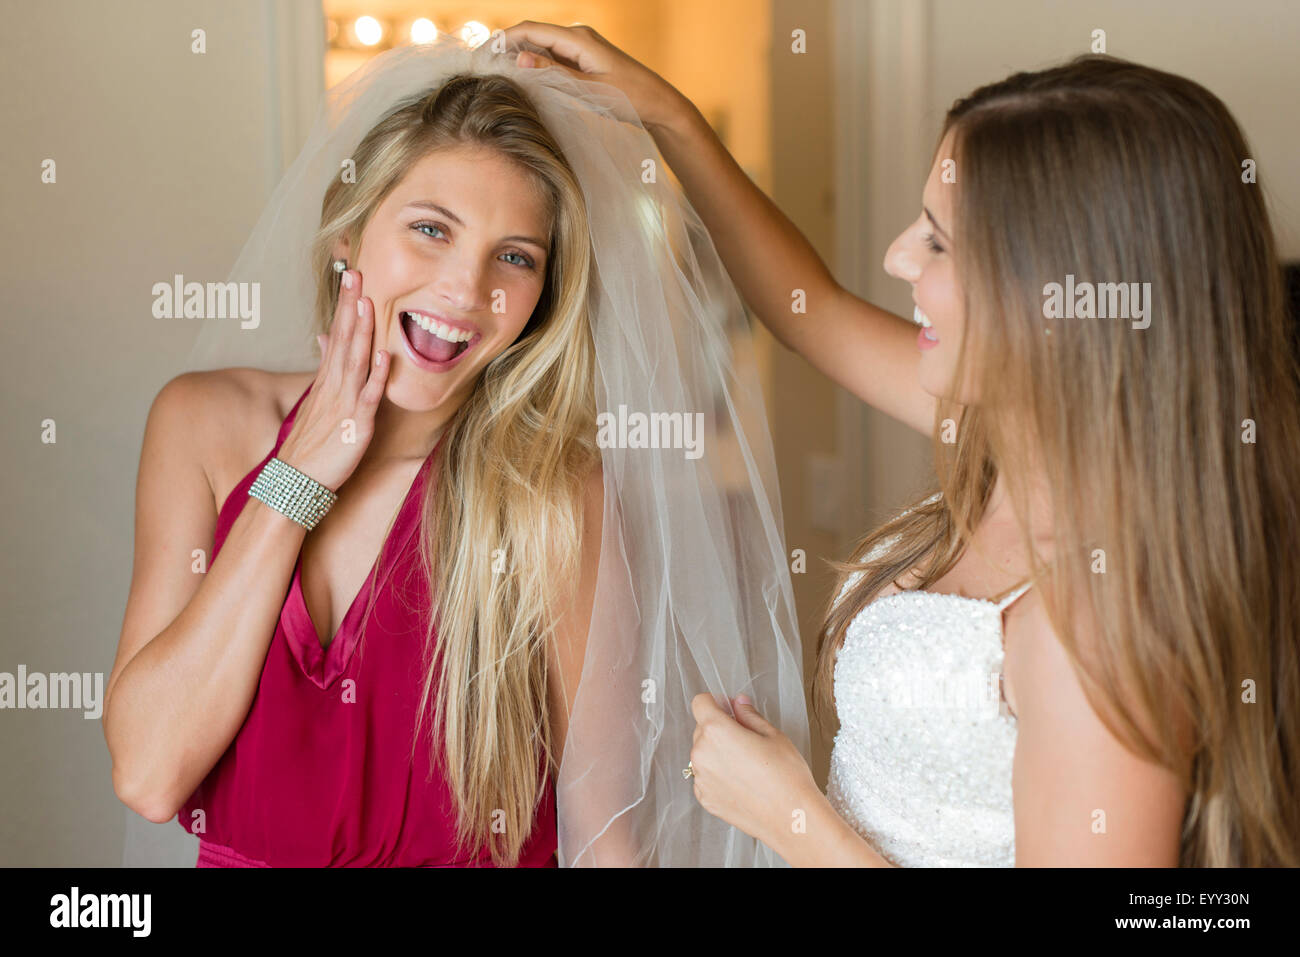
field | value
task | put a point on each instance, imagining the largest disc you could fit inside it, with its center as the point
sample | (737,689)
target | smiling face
(922,255)
(454,260)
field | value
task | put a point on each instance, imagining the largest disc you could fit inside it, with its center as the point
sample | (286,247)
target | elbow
(150,804)
(137,786)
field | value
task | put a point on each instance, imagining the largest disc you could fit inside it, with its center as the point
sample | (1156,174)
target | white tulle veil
(693,593)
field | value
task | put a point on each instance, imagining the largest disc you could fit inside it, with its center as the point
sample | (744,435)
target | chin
(944,389)
(408,392)
(934,380)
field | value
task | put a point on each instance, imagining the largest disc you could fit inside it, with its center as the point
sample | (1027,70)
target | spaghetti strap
(1006,603)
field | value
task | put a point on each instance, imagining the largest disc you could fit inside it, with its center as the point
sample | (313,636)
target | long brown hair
(501,516)
(1172,451)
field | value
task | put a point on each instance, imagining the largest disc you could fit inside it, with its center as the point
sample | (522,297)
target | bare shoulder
(593,522)
(1082,796)
(589,505)
(576,599)
(594,492)
(1041,674)
(231,417)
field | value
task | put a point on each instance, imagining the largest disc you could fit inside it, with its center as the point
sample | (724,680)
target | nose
(461,285)
(901,261)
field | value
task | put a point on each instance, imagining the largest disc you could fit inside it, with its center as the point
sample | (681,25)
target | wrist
(294,460)
(790,838)
(826,840)
(293,493)
(674,118)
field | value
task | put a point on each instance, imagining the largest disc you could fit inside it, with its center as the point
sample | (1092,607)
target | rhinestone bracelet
(292,493)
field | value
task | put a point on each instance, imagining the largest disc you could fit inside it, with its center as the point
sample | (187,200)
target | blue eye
(519,258)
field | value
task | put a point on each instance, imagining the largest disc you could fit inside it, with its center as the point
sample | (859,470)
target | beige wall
(164,160)
(804,420)
(1246,52)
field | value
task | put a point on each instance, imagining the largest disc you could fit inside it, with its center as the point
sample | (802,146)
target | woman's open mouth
(435,345)
(926,339)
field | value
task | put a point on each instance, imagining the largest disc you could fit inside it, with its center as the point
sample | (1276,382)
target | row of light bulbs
(370,32)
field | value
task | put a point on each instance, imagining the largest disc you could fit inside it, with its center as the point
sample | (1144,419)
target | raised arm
(870,352)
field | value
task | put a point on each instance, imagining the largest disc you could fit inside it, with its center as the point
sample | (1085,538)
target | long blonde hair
(501,517)
(1172,451)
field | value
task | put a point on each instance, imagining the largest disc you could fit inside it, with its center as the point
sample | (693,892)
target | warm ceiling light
(423,31)
(474,33)
(368,30)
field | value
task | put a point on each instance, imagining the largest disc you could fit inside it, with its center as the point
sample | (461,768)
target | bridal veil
(693,593)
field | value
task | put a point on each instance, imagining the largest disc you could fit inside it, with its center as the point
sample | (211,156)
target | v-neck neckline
(323,664)
(396,527)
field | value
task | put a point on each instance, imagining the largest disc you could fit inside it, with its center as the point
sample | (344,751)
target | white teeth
(920,318)
(440,329)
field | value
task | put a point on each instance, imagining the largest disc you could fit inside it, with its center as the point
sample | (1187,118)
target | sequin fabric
(921,765)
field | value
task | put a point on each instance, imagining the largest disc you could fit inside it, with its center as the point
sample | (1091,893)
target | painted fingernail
(347,279)
(361,307)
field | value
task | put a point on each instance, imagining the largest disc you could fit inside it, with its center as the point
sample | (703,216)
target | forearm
(765,254)
(179,702)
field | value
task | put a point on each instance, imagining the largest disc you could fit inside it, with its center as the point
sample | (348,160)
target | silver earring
(340,265)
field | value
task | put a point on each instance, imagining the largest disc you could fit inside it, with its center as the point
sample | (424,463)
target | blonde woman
(381,666)
(1083,650)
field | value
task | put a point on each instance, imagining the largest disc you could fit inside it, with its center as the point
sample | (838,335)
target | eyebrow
(444,211)
(934,222)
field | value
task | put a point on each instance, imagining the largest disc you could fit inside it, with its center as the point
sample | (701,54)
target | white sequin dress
(921,765)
